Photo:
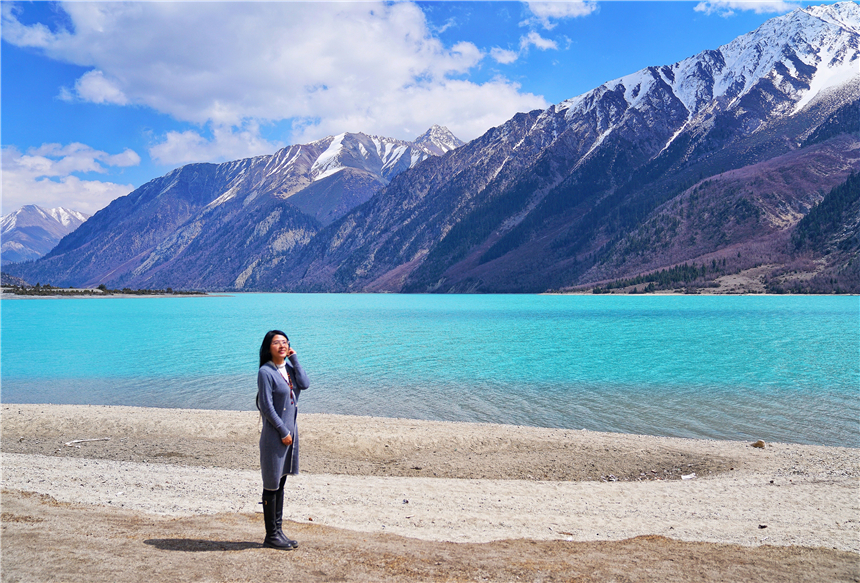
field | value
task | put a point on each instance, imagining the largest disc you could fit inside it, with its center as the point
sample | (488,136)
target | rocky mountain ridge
(32,231)
(572,181)
(208,223)
(713,159)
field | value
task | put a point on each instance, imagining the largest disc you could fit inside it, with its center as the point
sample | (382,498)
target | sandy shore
(434,483)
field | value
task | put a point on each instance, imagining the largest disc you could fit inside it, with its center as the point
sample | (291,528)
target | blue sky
(99,98)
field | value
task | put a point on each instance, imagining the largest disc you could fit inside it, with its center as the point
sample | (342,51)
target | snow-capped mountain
(34,215)
(784,65)
(385,157)
(713,159)
(558,197)
(214,222)
(32,231)
(438,140)
(294,168)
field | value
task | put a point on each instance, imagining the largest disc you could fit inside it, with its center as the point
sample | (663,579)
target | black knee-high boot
(279,514)
(274,539)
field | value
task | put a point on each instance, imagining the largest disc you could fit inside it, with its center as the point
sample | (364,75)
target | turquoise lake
(778,368)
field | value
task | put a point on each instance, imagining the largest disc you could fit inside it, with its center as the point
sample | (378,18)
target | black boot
(274,539)
(279,516)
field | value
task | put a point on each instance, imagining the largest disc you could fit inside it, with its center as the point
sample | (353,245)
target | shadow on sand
(198,545)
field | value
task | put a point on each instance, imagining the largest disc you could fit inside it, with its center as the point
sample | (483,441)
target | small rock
(759,444)
(762,526)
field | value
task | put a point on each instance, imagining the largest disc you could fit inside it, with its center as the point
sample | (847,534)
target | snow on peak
(844,14)
(294,167)
(329,162)
(439,140)
(67,217)
(34,215)
(383,156)
(816,47)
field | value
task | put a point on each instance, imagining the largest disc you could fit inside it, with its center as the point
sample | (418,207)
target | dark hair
(266,347)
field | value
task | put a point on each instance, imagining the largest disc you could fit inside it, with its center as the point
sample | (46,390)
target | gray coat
(279,420)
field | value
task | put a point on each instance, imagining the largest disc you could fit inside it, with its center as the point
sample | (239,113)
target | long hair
(266,346)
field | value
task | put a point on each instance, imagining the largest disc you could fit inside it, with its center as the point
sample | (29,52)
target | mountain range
(708,164)
(32,231)
(201,225)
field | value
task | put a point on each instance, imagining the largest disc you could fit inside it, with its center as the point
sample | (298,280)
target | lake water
(726,367)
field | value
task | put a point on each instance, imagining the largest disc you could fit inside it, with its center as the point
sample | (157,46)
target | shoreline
(464,482)
(699,292)
(173,496)
(100,296)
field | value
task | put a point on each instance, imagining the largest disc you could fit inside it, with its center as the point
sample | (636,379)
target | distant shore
(72,294)
(710,292)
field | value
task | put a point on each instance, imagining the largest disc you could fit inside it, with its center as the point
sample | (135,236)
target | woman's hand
(290,352)
(288,440)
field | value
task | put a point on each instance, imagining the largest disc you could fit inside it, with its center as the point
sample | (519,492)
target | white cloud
(227,143)
(94,87)
(127,158)
(729,7)
(19,34)
(455,104)
(536,40)
(329,67)
(546,12)
(503,56)
(46,176)
(451,22)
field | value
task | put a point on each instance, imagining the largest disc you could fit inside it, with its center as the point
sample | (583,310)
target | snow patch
(327,162)
(826,78)
(222,199)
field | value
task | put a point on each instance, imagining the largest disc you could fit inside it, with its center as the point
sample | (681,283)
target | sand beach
(94,493)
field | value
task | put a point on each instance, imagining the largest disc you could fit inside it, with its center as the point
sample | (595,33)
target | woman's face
(280,347)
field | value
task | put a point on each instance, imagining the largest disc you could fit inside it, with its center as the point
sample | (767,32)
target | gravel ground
(493,502)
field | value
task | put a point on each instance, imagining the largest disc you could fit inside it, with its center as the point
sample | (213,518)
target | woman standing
(280,380)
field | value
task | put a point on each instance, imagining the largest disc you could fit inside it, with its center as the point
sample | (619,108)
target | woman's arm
(302,381)
(265,382)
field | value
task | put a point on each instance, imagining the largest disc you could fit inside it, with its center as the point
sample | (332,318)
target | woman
(280,380)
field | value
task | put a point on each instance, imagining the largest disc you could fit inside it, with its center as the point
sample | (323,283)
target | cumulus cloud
(546,13)
(533,39)
(729,7)
(226,143)
(503,56)
(327,67)
(452,103)
(46,176)
(94,87)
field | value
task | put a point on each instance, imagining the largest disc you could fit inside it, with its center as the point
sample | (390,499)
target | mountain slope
(32,231)
(750,210)
(718,156)
(208,226)
(541,201)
